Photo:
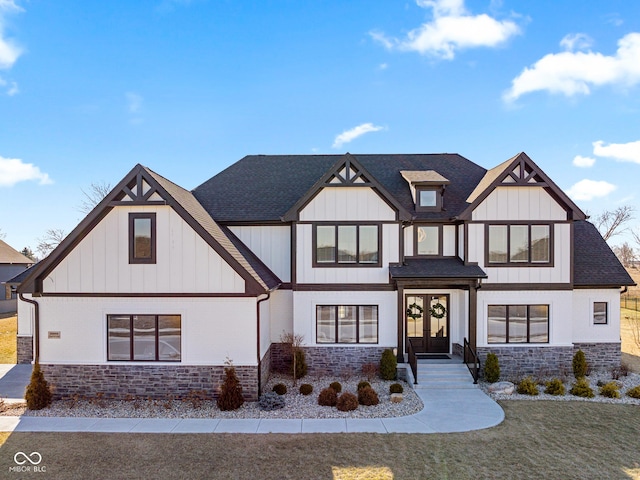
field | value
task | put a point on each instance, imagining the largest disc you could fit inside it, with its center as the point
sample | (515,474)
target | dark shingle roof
(436,268)
(19,278)
(262,188)
(594,262)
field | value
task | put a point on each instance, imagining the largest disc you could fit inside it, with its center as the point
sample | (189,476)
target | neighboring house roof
(10,255)
(436,268)
(263,188)
(19,278)
(595,264)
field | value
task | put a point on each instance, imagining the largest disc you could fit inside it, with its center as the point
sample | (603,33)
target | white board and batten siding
(185,263)
(358,204)
(304,313)
(212,329)
(584,330)
(271,244)
(519,203)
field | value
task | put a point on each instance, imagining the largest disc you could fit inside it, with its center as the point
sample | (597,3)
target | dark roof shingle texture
(436,268)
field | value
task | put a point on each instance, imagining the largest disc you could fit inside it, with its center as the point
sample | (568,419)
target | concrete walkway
(445,410)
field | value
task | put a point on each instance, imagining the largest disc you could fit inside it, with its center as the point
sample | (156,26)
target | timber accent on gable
(347,172)
(520,171)
(140,190)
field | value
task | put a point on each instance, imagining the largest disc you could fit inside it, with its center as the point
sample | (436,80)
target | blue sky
(89,89)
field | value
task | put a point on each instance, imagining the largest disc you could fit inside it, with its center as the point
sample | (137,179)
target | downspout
(36,327)
(625,290)
(258,339)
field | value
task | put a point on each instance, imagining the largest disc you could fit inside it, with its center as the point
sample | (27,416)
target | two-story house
(158,285)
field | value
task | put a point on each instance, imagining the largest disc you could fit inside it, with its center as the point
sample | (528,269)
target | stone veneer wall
(517,362)
(457,349)
(155,381)
(341,360)
(25,349)
(280,357)
(601,356)
(265,368)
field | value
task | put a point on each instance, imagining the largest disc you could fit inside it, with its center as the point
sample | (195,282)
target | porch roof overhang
(450,270)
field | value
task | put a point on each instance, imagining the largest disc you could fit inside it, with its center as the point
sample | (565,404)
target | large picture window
(144,338)
(347,324)
(519,245)
(142,238)
(347,245)
(428,240)
(518,324)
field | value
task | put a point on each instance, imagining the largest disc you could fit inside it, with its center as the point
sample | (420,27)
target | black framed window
(600,316)
(518,324)
(347,244)
(144,338)
(347,324)
(428,199)
(428,240)
(519,244)
(142,238)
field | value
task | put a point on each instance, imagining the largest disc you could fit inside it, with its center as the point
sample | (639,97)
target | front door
(428,323)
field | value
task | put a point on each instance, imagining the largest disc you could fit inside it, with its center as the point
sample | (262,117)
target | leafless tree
(94,195)
(49,241)
(625,254)
(2,234)
(294,342)
(613,222)
(27,252)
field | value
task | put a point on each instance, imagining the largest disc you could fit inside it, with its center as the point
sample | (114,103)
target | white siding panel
(281,315)
(271,244)
(519,203)
(408,241)
(584,330)
(304,313)
(461,240)
(184,261)
(476,243)
(448,240)
(347,204)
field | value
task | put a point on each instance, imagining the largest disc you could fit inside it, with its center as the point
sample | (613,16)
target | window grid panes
(144,338)
(518,324)
(519,244)
(347,245)
(347,324)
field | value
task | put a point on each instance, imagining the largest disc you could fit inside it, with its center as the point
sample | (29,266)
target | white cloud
(583,162)
(134,102)
(576,41)
(14,170)
(9,50)
(572,73)
(590,189)
(623,152)
(349,135)
(451,29)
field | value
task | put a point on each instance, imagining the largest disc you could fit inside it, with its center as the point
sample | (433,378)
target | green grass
(538,439)
(8,331)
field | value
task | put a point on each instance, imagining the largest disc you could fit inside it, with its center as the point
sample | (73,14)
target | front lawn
(8,332)
(538,439)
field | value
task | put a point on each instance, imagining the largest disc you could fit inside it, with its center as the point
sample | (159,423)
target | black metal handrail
(469,354)
(413,361)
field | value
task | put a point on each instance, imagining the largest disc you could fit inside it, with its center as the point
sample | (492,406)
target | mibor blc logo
(28,463)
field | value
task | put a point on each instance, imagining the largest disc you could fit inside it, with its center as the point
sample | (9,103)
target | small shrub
(582,389)
(527,387)
(196,397)
(328,397)
(279,388)
(396,388)
(491,368)
(554,387)
(301,364)
(337,386)
(370,370)
(38,394)
(368,396)
(231,391)
(579,365)
(347,402)
(363,384)
(610,390)
(600,383)
(3,405)
(271,401)
(634,392)
(306,389)
(388,365)
(621,371)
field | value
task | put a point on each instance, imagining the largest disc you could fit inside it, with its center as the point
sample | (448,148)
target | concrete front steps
(432,375)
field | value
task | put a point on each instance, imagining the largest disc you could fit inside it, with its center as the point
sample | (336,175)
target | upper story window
(428,199)
(142,238)
(519,245)
(428,240)
(344,245)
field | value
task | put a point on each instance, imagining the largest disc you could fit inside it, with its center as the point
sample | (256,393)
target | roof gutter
(36,327)
(258,339)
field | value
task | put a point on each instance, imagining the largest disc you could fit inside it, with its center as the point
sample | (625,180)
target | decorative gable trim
(520,171)
(347,172)
(138,187)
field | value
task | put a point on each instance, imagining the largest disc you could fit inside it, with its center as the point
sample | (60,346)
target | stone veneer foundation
(516,362)
(156,381)
(25,349)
